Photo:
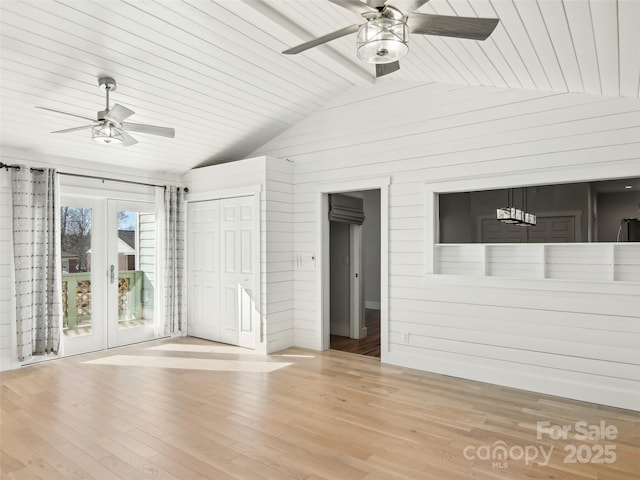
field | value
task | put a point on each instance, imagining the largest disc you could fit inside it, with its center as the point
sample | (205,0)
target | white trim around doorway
(322,192)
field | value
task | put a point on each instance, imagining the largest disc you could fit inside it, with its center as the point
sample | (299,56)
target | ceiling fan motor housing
(107,83)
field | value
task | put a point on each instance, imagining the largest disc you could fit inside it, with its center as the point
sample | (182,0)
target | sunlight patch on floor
(210,364)
(183,347)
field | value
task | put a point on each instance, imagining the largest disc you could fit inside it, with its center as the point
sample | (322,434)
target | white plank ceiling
(214,72)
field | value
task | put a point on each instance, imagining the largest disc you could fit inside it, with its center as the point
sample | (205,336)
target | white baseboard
(369,305)
(508,377)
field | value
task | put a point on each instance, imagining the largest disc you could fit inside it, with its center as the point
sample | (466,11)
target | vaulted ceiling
(214,71)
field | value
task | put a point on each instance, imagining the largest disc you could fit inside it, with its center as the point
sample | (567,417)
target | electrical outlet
(405,337)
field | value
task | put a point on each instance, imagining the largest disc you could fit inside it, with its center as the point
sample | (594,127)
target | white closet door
(204,270)
(222,271)
(237,271)
(248,320)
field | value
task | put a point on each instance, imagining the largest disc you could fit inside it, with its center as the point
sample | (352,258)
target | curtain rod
(41,170)
(110,179)
(17,167)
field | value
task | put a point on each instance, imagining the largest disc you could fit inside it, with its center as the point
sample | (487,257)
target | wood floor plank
(177,469)
(89,464)
(35,464)
(46,449)
(117,450)
(9,464)
(179,455)
(321,416)
(22,474)
(261,451)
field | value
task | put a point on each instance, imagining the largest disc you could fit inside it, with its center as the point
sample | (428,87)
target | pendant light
(513,215)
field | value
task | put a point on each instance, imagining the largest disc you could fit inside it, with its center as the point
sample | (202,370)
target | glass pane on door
(136,270)
(77,292)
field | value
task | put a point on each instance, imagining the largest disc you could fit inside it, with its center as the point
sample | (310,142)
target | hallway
(370,345)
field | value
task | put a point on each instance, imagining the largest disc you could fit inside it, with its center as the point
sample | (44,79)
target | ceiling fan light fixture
(106,134)
(383,40)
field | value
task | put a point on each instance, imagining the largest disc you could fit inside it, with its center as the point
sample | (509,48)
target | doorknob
(112,274)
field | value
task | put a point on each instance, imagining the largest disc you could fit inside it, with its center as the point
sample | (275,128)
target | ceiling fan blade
(66,130)
(118,113)
(355,6)
(127,140)
(406,6)
(460,27)
(150,129)
(323,39)
(70,114)
(383,69)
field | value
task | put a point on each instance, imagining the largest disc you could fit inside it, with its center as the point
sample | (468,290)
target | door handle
(112,273)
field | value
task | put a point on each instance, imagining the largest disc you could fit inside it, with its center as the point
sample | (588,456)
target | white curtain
(36,252)
(174,262)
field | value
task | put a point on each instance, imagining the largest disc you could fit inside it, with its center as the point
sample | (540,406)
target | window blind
(346,209)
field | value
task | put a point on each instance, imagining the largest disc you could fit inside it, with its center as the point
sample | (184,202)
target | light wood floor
(189,409)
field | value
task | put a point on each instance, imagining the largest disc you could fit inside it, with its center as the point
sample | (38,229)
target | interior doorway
(355,277)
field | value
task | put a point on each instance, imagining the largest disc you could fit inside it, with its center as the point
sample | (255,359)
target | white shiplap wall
(277,254)
(568,338)
(273,178)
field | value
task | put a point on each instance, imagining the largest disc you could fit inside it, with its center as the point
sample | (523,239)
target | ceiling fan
(109,126)
(383,38)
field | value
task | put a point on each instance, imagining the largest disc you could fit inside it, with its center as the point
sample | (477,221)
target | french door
(131,254)
(109,293)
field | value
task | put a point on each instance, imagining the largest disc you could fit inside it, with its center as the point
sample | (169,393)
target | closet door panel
(203,270)
(222,271)
(248,316)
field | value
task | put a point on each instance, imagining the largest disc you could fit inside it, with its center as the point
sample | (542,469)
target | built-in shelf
(604,262)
